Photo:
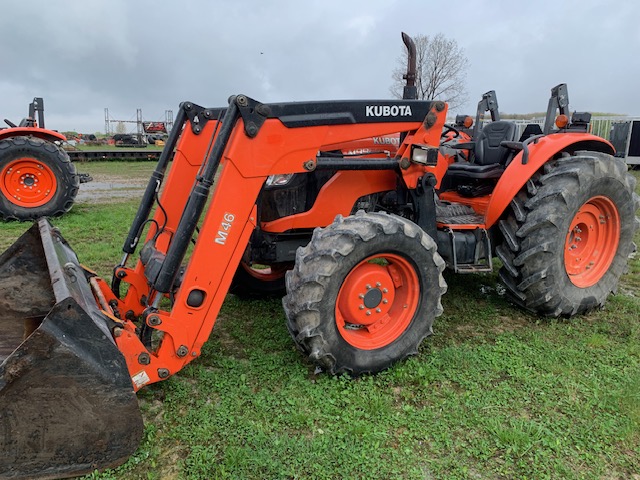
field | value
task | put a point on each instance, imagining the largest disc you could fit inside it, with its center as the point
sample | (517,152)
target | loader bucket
(67,405)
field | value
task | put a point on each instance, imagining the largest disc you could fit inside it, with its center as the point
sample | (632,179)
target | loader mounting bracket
(199,116)
(424,202)
(253,114)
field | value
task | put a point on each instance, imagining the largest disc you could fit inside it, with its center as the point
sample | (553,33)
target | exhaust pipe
(410,91)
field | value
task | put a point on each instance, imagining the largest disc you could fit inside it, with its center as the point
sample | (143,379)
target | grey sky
(83,56)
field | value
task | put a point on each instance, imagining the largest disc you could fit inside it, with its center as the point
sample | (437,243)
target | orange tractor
(261,271)
(37,179)
(365,241)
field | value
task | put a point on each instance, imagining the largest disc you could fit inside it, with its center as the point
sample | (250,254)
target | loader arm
(239,160)
(67,402)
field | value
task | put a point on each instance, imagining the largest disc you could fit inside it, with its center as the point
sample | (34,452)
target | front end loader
(66,402)
(365,285)
(74,349)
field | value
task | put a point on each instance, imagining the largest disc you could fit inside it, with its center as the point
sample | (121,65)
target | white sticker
(140,379)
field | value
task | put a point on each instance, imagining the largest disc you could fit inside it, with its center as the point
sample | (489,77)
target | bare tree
(441,70)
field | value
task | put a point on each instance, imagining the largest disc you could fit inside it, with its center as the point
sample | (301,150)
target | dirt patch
(511,324)
(104,188)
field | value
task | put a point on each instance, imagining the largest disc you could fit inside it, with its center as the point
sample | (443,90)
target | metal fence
(601,126)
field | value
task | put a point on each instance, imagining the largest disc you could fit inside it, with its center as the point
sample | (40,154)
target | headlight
(279,180)
(424,155)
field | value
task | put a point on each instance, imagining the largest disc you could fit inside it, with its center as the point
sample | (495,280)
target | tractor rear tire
(364,293)
(37,179)
(259,281)
(569,235)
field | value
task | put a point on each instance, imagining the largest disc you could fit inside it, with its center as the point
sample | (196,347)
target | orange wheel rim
(265,273)
(592,241)
(377,301)
(27,182)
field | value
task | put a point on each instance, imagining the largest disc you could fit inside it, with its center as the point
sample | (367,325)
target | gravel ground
(104,188)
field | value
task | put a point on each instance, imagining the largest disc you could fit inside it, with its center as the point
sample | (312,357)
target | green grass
(495,393)
(134,170)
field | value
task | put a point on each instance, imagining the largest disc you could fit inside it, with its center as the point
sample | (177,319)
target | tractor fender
(42,133)
(516,174)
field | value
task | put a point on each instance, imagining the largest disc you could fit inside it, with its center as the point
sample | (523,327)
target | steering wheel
(450,128)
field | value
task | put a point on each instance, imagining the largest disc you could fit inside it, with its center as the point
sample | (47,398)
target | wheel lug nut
(385,301)
(384,290)
(361,296)
(368,312)
(378,310)
(361,307)
(368,287)
(378,284)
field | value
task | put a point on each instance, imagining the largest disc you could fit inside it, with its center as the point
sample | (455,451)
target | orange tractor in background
(365,241)
(37,178)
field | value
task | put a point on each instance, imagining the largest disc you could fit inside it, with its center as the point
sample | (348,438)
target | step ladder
(483,260)
(451,217)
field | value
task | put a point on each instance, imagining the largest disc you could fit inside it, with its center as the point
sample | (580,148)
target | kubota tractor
(261,274)
(365,287)
(37,179)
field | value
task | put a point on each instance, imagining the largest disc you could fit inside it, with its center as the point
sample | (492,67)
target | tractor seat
(27,122)
(530,130)
(486,146)
(489,161)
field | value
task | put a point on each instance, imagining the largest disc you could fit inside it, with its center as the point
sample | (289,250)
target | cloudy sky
(85,56)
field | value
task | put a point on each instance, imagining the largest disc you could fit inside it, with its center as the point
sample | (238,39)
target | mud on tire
(364,293)
(37,179)
(569,234)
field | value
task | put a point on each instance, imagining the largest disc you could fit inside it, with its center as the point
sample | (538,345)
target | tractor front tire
(569,235)
(37,179)
(364,293)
